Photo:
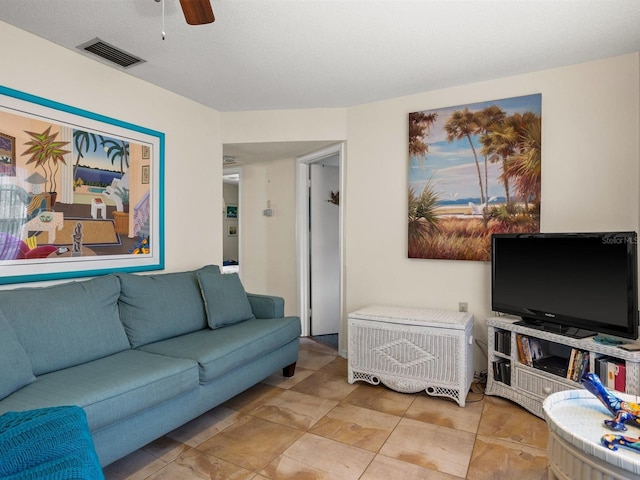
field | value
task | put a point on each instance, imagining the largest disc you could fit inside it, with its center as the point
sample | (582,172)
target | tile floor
(316,425)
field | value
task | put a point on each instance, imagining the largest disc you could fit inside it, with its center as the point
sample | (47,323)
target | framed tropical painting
(232,212)
(474,170)
(81,194)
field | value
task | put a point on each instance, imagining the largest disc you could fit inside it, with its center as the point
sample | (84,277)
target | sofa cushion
(15,367)
(68,324)
(109,389)
(156,307)
(225,349)
(225,300)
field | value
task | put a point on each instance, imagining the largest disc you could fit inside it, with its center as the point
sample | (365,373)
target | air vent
(110,53)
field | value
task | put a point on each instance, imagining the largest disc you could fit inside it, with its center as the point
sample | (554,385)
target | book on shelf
(536,350)
(601,369)
(572,361)
(621,377)
(521,356)
(616,375)
(578,364)
(526,350)
(502,340)
(612,373)
(502,371)
(506,374)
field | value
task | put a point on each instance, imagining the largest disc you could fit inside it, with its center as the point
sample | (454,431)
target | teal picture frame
(77,205)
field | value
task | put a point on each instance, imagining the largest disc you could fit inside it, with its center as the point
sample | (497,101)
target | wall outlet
(463,307)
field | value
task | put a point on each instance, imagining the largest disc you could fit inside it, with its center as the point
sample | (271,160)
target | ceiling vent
(110,53)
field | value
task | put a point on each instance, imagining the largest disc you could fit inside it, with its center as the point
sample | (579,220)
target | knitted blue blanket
(47,444)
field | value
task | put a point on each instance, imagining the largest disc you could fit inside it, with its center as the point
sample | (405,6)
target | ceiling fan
(196,12)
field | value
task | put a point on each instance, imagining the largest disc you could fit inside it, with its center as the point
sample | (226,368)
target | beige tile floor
(316,425)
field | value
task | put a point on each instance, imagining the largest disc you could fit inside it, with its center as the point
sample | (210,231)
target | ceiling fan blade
(197,12)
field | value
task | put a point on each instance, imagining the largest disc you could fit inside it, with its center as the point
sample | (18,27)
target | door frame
(302,234)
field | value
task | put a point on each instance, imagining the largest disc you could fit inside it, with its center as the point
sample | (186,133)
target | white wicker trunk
(412,349)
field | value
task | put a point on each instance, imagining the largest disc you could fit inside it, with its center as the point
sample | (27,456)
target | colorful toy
(623,412)
(612,441)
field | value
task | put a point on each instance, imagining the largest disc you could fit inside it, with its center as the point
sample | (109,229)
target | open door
(324,247)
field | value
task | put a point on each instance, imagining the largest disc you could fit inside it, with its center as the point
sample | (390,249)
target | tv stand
(572,332)
(529,386)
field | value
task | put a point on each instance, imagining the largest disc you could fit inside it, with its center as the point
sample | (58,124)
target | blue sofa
(141,354)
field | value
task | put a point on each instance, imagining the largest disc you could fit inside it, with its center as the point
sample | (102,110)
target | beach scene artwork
(69,188)
(81,194)
(474,170)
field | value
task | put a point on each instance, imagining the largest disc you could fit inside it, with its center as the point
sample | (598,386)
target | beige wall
(268,243)
(193,172)
(590,173)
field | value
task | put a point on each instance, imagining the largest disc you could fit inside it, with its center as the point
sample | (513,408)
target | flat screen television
(575,284)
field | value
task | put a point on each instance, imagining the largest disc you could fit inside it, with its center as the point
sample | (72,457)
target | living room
(590,174)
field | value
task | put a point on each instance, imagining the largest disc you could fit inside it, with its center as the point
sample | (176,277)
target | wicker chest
(412,349)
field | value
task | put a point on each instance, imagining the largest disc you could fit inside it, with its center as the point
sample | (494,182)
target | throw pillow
(160,306)
(225,300)
(63,325)
(15,367)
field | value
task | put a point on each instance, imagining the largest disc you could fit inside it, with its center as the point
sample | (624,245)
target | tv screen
(577,284)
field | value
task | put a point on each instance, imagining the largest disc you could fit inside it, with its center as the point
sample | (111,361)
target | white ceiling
(285,54)
(281,54)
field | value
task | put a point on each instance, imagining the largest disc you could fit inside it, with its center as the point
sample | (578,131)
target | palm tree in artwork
(422,208)
(526,165)
(83,141)
(419,126)
(44,151)
(488,118)
(117,150)
(500,144)
(423,219)
(463,124)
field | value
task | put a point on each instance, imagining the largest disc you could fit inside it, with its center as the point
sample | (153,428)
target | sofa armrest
(266,306)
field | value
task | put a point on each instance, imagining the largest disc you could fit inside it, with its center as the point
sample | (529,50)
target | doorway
(320,186)
(231,179)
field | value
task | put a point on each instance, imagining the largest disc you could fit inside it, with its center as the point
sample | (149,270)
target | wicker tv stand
(529,386)
(412,349)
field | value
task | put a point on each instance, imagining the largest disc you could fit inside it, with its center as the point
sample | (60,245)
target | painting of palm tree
(117,150)
(47,153)
(84,142)
(477,168)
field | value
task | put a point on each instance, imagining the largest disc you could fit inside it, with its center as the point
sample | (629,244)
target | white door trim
(302,233)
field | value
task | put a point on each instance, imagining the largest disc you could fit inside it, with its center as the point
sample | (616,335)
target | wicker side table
(574,451)
(412,349)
